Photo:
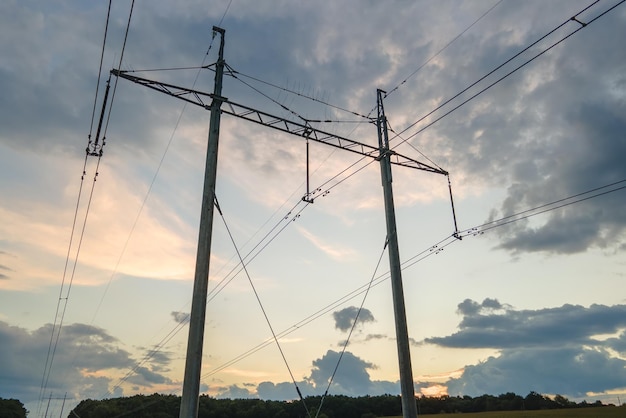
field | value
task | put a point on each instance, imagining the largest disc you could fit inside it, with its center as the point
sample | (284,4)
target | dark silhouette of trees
(338,406)
(12,408)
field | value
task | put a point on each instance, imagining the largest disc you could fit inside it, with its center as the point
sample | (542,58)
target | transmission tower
(216,104)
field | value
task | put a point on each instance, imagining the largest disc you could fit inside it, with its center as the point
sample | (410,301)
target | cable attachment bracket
(306,133)
(95,148)
(456,233)
(576,20)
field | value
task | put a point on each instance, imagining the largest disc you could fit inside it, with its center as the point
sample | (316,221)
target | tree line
(336,406)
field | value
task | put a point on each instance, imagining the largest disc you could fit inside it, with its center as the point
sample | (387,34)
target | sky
(96,277)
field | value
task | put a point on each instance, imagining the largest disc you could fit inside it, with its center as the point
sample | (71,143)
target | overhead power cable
(347,341)
(413,146)
(64,297)
(432,250)
(258,298)
(95,99)
(130,15)
(282,106)
(55,324)
(291,216)
(234,73)
(180,325)
(152,183)
(569,20)
(63,292)
(443,49)
(256,251)
(538,210)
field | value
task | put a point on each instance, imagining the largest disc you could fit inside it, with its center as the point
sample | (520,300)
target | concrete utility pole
(193,363)
(409,407)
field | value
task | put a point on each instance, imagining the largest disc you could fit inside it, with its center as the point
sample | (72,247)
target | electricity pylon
(387,157)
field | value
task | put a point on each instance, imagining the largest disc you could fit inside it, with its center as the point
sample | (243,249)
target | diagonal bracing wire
(356,318)
(258,298)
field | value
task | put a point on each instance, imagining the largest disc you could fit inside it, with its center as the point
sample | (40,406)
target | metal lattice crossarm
(203,99)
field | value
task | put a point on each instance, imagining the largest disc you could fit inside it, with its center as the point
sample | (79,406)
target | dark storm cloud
(345,317)
(367,338)
(569,371)
(370,337)
(352,379)
(82,348)
(587,158)
(550,350)
(284,391)
(2,275)
(482,327)
(159,358)
(469,307)
(44,82)
(50,88)
(233,392)
(552,130)
(180,317)
(351,375)
(146,377)
(618,344)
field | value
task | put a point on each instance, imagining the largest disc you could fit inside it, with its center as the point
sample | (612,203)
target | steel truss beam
(304,130)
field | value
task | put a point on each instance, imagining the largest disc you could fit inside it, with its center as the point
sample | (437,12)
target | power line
(48,363)
(493,71)
(56,329)
(414,147)
(234,74)
(130,15)
(356,318)
(409,138)
(64,299)
(258,298)
(152,183)
(424,254)
(282,106)
(443,49)
(181,324)
(558,204)
(95,99)
(58,323)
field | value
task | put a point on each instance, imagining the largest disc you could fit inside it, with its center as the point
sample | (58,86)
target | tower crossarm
(303,130)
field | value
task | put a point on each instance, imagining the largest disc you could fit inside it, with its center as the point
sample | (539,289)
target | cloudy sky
(529,299)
